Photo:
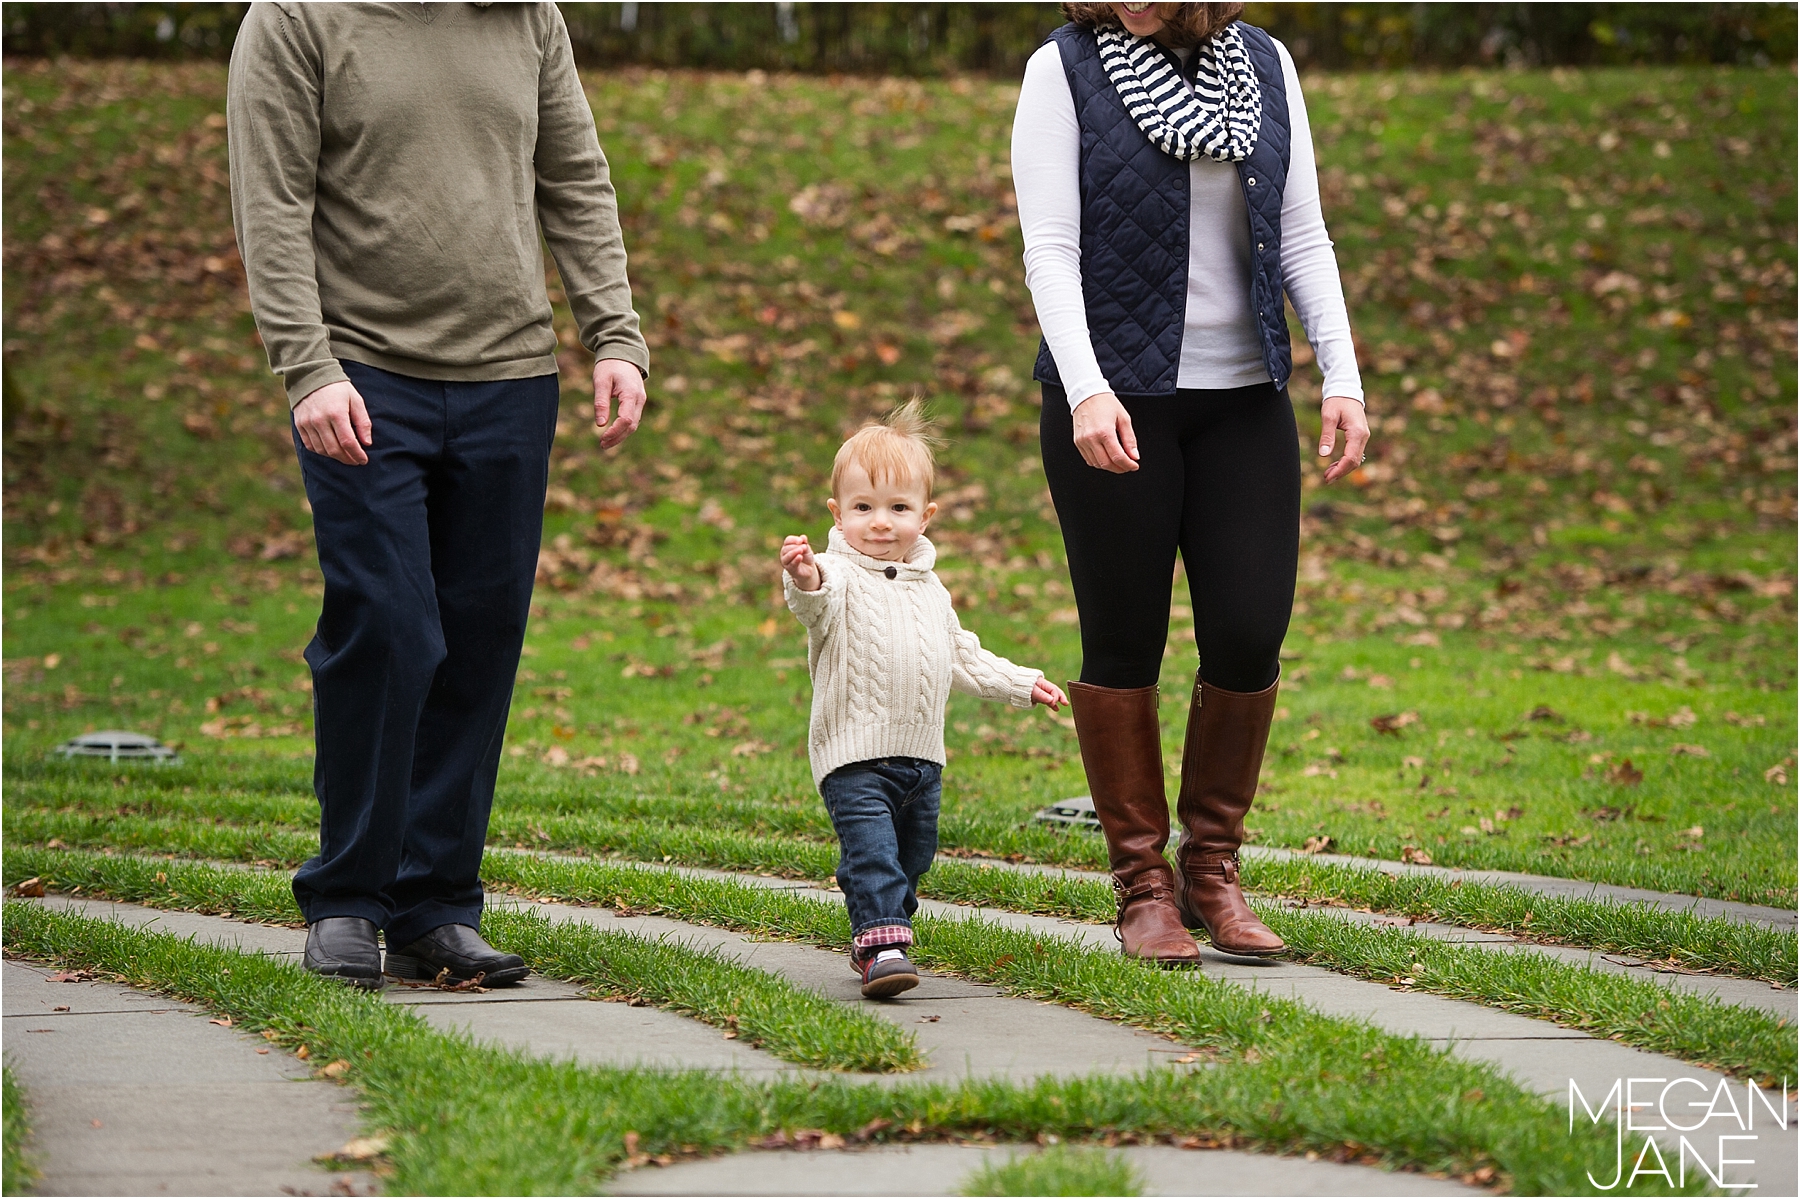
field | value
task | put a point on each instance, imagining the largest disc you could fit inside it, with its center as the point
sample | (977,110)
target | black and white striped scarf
(1219,116)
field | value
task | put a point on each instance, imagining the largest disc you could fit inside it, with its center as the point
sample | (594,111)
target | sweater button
(891,572)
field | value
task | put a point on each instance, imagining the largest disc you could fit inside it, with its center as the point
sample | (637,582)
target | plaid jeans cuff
(882,936)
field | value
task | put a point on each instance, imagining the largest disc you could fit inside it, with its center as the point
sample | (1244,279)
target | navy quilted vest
(1134,226)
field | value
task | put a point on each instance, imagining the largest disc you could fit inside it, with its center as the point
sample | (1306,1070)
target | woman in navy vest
(1170,200)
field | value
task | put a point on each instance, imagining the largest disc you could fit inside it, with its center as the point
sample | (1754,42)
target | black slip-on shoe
(460,950)
(887,974)
(344,947)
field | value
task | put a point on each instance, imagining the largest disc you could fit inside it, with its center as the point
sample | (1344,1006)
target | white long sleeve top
(1219,344)
(885,649)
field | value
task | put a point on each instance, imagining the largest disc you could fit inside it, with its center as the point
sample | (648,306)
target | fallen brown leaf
(362,1149)
(1392,723)
(1621,773)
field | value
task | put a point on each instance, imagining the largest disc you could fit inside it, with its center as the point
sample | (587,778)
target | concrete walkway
(944,1169)
(134,1094)
(1742,992)
(1539,1055)
(977,1031)
(1739,992)
(1536,884)
(982,1032)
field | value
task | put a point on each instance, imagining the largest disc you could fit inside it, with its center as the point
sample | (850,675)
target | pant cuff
(404,930)
(874,938)
(315,908)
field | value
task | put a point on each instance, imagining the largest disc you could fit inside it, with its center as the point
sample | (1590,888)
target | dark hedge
(933,39)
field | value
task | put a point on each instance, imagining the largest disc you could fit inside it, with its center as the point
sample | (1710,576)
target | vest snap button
(1259,245)
(1253,181)
(891,572)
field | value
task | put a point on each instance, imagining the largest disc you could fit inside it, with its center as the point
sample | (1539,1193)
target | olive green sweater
(391,166)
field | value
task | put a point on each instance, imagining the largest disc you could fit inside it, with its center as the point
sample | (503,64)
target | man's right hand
(334,421)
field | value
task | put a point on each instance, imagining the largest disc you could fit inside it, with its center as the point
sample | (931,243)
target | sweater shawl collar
(918,564)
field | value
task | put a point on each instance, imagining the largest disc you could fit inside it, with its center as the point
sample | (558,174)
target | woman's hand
(1103,434)
(1048,694)
(797,559)
(1342,412)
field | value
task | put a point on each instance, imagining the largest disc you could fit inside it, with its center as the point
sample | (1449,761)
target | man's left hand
(1342,412)
(615,378)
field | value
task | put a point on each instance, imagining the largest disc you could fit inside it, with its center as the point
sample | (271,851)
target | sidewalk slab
(133,1094)
(1537,884)
(966,1029)
(1739,992)
(544,1016)
(1742,992)
(1539,1055)
(944,1169)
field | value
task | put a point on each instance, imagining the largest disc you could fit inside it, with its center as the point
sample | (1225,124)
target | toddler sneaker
(888,973)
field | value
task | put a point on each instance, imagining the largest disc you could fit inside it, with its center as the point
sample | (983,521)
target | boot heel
(399,965)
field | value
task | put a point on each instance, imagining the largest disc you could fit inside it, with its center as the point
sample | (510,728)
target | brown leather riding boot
(1121,749)
(1226,733)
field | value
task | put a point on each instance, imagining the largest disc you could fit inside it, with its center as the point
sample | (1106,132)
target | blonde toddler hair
(898,447)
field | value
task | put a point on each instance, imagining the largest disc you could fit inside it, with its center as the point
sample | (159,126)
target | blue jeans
(885,813)
(428,552)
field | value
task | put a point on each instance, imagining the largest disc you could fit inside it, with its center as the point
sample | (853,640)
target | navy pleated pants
(429,552)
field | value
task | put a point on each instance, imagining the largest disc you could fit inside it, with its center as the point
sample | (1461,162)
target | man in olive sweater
(392,166)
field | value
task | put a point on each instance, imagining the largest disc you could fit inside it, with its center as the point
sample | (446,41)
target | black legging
(1218,478)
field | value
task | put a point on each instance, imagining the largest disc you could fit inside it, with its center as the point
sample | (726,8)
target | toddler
(884,648)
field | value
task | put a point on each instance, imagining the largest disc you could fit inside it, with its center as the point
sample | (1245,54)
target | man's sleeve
(578,211)
(272,114)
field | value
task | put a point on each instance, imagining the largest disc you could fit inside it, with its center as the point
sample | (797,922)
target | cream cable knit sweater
(885,648)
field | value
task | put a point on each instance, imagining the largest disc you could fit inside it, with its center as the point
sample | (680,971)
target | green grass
(1564,582)
(763,1009)
(1636,1012)
(1058,1170)
(1598,523)
(20,1173)
(1633,1011)
(1693,942)
(439,1097)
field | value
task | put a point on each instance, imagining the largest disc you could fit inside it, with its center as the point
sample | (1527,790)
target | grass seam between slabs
(18,1171)
(1712,943)
(1339,1087)
(1057,1170)
(1636,1012)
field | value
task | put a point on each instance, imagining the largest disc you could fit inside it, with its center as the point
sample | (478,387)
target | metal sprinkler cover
(1070,813)
(117,745)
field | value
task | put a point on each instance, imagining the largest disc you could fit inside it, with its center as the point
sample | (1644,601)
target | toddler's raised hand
(1049,694)
(797,559)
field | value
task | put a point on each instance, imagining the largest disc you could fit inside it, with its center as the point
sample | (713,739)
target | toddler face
(882,520)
